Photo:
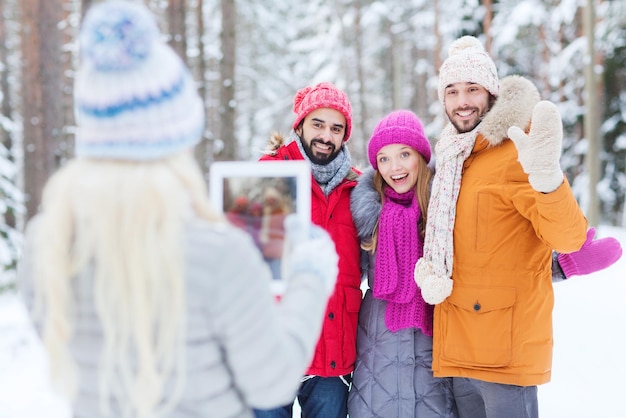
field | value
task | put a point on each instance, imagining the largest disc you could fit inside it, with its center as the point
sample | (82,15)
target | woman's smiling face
(398,166)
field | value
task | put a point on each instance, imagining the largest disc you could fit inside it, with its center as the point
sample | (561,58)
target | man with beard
(499,205)
(320,131)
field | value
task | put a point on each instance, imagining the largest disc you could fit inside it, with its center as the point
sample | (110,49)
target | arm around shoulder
(594,255)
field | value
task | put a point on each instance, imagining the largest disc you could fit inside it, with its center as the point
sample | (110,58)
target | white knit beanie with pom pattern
(134,97)
(468,62)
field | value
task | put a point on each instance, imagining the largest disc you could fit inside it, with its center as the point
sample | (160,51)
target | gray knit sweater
(243,350)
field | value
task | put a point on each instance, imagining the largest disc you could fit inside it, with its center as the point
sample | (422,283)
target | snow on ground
(587,376)
(589,361)
(25,391)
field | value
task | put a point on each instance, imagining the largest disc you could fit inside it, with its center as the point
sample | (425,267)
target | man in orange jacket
(500,204)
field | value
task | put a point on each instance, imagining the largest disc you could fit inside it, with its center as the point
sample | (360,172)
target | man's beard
(468,128)
(320,159)
(463,128)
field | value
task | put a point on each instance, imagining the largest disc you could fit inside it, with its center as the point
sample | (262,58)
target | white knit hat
(468,62)
(134,97)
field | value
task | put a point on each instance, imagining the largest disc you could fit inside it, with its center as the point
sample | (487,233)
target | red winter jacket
(336,350)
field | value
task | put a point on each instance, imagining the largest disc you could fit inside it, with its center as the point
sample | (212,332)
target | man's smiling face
(466,104)
(322,132)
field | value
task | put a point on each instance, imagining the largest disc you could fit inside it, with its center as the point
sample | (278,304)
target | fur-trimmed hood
(365,205)
(514,107)
(276,141)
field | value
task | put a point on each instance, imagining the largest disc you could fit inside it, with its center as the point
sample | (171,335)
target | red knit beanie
(322,95)
(398,127)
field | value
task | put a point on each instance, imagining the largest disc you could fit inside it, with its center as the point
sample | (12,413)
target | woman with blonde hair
(392,374)
(136,285)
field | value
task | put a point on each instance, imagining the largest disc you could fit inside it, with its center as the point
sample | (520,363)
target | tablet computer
(256,196)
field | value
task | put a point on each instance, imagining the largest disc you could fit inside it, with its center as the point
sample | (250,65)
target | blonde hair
(422,192)
(122,222)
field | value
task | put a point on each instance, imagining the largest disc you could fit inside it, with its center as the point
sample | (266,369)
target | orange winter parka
(496,326)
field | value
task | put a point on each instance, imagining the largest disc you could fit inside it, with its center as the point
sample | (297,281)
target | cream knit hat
(468,62)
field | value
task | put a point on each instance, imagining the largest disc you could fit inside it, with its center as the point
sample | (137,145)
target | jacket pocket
(352,303)
(478,326)
(353,299)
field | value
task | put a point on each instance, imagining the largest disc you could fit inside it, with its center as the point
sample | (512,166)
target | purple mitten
(592,256)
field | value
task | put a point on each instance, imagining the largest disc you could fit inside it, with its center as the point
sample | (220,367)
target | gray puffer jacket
(243,350)
(392,376)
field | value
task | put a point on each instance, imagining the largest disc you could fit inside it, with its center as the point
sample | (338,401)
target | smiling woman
(397,148)
(398,165)
(394,336)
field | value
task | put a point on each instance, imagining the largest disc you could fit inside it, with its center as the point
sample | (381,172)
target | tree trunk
(203,151)
(227,78)
(85,5)
(4,79)
(397,54)
(488,5)
(359,146)
(438,44)
(592,116)
(176,12)
(68,61)
(6,135)
(42,95)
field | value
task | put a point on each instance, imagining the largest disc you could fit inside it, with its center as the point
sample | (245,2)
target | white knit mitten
(539,152)
(309,249)
(435,289)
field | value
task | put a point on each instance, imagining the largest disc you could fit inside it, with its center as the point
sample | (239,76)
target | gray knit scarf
(328,176)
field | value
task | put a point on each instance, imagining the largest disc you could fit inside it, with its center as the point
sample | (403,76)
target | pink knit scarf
(399,247)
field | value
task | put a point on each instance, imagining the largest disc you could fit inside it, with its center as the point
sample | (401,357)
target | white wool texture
(434,269)
(539,152)
(468,62)
(135,99)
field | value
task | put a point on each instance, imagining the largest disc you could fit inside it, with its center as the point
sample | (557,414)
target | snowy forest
(250,57)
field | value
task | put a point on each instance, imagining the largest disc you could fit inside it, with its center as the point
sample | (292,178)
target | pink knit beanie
(468,62)
(398,127)
(322,95)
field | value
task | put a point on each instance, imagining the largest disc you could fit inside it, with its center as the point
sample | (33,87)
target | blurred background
(250,57)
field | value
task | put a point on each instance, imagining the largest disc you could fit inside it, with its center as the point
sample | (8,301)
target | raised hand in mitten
(539,152)
(309,249)
(593,256)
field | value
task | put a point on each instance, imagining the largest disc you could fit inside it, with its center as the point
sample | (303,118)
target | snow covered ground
(24,389)
(590,344)
(588,369)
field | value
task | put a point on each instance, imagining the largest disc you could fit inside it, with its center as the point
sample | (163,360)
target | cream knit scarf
(434,269)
